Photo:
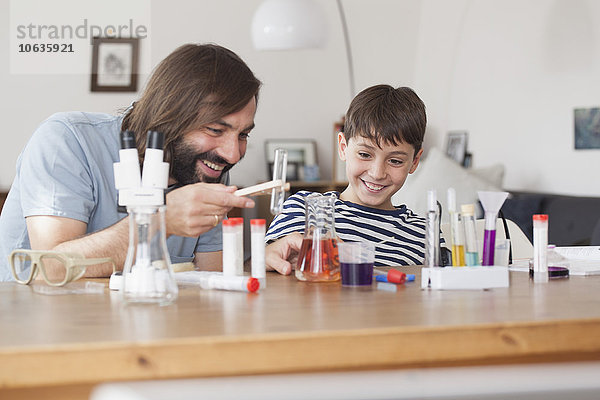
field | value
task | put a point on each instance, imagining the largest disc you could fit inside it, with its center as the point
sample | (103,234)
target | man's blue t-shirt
(66,170)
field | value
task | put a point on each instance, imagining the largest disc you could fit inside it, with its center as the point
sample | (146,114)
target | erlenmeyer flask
(318,259)
(147,274)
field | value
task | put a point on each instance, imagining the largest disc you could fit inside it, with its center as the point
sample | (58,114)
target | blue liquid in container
(472,258)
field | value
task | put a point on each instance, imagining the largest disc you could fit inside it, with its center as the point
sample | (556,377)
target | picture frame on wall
(114,64)
(301,153)
(456,146)
(587,128)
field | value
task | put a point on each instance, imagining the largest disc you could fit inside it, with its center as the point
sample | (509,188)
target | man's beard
(185,159)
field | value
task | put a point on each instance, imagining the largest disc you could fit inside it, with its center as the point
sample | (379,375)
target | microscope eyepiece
(156,140)
(127,140)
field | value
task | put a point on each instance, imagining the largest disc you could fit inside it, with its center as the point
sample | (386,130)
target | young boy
(381,145)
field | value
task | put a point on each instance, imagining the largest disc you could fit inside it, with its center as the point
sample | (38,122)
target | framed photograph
(587,128)
(301,152)
(292,173)
(456,146)
(114,64)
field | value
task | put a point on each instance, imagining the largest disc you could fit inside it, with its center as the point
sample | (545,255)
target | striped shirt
(399,234)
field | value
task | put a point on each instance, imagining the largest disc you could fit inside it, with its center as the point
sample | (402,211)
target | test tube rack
(461,278)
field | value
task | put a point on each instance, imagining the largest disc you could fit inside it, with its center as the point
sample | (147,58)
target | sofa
(572,220)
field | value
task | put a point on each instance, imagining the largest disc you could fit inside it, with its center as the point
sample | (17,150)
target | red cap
(395,276)
(258,221)
(252,285)
(229,222)
(540,217)
(237,220)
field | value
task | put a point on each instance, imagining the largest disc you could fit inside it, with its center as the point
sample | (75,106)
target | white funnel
(491,202)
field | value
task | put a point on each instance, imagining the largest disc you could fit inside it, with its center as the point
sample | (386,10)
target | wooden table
(63,345)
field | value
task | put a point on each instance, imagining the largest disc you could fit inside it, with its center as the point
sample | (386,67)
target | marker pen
(395,276)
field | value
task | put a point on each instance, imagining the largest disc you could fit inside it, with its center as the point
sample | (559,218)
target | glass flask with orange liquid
(318,258)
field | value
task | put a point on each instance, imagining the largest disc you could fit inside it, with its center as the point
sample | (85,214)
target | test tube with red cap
(540,248)
(257,238)
(238,229)
(239,283)
(216,280)
(231,253)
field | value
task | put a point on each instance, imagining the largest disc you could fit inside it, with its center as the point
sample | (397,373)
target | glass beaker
(318,258)
(147,274)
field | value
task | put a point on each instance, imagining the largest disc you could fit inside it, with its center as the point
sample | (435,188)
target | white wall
(304,91)
(509,72)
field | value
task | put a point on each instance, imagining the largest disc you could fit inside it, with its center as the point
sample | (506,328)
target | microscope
(147,274)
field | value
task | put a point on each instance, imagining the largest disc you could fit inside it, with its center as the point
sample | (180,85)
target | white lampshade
(288,24)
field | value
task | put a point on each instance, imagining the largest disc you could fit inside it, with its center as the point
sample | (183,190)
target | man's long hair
(194,86)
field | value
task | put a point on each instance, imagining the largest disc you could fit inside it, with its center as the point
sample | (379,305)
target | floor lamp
(296,24)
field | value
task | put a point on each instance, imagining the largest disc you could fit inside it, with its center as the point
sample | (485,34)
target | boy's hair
(384,114)
(195,85)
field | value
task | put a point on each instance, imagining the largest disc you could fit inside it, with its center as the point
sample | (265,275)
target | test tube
(239,283)
(491,203)
(229,247)
(217,280)
(279,173)
(432,231)
(257,242)
(471,252)
(456,231)
(540,248)
(239,245)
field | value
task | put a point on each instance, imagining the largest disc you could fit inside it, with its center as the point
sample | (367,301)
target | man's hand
(195,209)
(282,254)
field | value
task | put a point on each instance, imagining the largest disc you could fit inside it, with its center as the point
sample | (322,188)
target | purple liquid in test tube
(489,244)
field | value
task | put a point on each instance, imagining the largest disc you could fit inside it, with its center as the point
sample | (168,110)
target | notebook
(583,260)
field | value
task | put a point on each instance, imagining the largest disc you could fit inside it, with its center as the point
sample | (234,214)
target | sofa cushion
(571,219)
(440,172)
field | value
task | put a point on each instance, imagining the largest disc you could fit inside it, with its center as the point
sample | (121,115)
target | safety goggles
(57,268)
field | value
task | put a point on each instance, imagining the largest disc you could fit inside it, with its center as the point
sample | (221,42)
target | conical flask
(318,258)
(147,274)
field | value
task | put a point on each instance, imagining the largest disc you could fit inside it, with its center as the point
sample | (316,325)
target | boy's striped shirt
(399,235)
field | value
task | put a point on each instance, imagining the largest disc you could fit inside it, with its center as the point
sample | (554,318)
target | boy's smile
(374,173)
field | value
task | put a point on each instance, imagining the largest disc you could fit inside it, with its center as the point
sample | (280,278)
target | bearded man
(203,99)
